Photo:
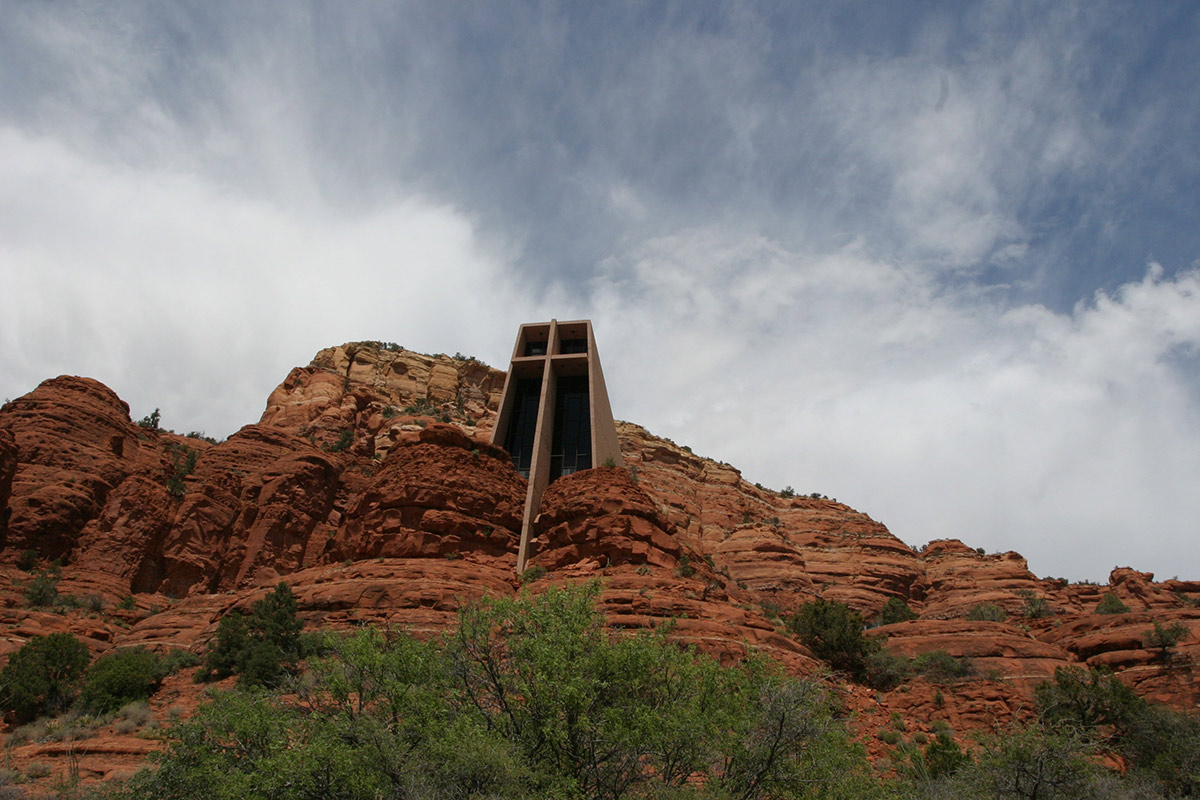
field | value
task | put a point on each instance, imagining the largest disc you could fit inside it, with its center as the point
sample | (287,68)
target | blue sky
(938,260)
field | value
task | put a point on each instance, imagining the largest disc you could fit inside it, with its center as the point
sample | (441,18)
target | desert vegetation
(532,697)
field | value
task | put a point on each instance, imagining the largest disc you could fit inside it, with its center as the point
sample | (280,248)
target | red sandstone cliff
(370,486)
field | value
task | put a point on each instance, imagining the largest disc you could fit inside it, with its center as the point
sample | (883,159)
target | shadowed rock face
(8,468)
(438,494)
(74,444)
(369,485)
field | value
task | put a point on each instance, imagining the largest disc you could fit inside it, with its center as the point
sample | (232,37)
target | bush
(885,670)
(1164,745)
(1085,699)
(43,675)
(1034,607)
(834,632)
(260,647)
(42,591)
(1111,604)
(987,612)
(1030,764)
(941,667)
(527,698)
(151,420)
(1164,638)
(175,660)
(183,463)
(941,757)
(1160,744)
(28,560)
(895,610)
(119,678)
(345,439)
(532,574)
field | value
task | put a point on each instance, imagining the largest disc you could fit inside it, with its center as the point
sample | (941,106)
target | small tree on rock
(259,647)
(834,632)
(1163,638)
(43,675)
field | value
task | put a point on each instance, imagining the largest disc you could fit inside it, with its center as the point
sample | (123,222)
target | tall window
(571,446)
(522,425)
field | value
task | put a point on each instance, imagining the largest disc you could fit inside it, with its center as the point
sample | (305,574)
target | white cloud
(1068,437)
(185,296)
(779,224)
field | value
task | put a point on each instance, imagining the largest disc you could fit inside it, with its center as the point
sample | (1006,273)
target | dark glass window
(535,348)
(522,425)
(573,346)
(571,445)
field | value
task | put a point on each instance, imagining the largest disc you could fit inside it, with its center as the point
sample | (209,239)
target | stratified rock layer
(370,486)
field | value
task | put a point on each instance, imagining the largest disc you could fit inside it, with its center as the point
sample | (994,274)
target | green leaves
(834,632)
(260,648)
(531,697)
(119,678)
(43,675)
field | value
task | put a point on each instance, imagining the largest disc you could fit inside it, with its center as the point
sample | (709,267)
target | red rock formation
(600,515)
(438,493)
(8,468)
(369,486)
(958,578)
(75,444)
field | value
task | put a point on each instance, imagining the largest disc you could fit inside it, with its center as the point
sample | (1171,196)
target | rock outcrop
(370,486)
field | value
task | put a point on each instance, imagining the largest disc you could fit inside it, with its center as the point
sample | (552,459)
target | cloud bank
(939,265)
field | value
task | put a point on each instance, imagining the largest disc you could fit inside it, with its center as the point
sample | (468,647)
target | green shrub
(685,568)
(940,667)
(151,420)
(183,463)
(895,610)
(260,647)
(1164,745)
(138,712)
(885,670)
(1111,604)
(344,440)
(532,574)
(529,697)
(175,660)
(119,678)
(787,492)
(1085,699)
(28,560)
(1035,763)
(1034,607)
(987,612)
(42,590)
(943,756)
(43,675)
(834,632)
(1164,638)
(128,603)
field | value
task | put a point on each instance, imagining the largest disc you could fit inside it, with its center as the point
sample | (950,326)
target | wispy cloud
(901,259)
(943,413)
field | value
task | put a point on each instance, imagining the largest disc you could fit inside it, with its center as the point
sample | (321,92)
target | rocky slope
(369,486)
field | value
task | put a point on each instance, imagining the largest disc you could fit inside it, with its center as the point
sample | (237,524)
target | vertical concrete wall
(603,432)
